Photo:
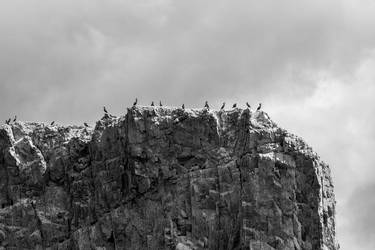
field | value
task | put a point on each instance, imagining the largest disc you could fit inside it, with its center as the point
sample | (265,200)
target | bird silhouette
(52,123)
(248,105)
(7,121)
(15,118)
(152,103)
(86,125)
(105,110)
(206,105)
(259,107)
(33,205)
(135,102)
(160,104)
(183,106)
(222,106)
(234,105)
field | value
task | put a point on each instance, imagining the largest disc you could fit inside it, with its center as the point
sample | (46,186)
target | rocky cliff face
(164,178)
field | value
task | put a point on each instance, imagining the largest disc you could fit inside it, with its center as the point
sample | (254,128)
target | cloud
(172,50)
(310,62)
(337,120)
(360,217)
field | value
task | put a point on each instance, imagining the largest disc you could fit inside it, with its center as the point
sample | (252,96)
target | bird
(160,104)
(183,106)
(222,106)
(7,121)
(86,125)
(52,123)
(206,105)
(135,102)
(152,103)
(33,205)
(105,110)
(234,105)
(15,118)
(248,105)
(259,107)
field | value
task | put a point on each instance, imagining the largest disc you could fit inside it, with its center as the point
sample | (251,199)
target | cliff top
(257,121)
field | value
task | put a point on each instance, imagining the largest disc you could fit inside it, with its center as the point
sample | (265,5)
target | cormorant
(52,123)
(206,105)
(248,105)
(135,102)
(86,125)
(160,104)
(234,105)
(15,118)
(222,106)
(183,106)
(259,107)
(33,204)
(152,103)
(105,110)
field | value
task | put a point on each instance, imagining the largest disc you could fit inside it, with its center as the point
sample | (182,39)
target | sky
(311,64)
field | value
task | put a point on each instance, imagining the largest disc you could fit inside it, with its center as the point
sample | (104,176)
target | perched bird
(259,107)
(7,121)
(206,105)
(15,118)
(86,125)
(222,106)
(234,105)
(152,103)
(52,123)
(105,110)
(33,204)
(248,105)
(160,104)
(135,102)
(183,106)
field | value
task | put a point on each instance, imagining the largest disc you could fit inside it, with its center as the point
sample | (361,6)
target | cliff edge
(164,178)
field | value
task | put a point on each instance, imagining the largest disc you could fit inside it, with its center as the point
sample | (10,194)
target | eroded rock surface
(164,178)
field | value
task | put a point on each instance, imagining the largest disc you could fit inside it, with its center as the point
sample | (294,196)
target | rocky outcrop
(164,178)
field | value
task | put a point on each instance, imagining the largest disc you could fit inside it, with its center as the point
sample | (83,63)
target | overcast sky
(311,63)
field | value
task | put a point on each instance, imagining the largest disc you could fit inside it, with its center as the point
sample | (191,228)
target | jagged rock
(164,178)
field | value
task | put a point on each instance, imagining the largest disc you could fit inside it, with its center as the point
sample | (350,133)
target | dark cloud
(310,62)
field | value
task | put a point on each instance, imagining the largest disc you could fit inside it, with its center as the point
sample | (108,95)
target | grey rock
(164,178)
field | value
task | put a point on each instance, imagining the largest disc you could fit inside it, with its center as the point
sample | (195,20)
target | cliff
(164,178)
